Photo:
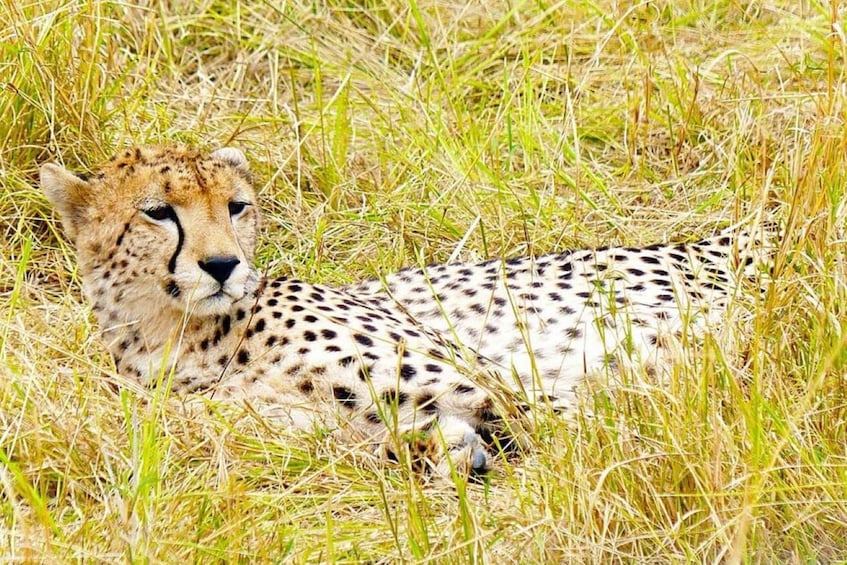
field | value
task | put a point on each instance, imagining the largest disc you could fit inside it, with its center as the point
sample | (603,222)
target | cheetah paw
(466,452)
(470,457)
(451,449)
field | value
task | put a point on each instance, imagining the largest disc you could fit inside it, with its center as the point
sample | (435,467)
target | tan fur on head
(69,194)
(148,225)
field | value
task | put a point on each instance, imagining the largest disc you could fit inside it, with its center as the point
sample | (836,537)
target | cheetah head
(161,231)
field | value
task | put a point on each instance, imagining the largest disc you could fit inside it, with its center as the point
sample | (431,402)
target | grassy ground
(390,133)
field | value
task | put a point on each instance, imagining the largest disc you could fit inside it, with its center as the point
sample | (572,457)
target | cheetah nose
(219,267)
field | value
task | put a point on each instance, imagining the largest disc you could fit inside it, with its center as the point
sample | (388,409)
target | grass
(385,134)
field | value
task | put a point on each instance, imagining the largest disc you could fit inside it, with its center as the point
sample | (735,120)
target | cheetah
(411,363)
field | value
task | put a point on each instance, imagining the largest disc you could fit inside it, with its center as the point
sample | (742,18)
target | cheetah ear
(232,156)
(69,195)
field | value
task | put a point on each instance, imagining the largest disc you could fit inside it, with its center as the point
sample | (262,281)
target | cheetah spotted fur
(165,240)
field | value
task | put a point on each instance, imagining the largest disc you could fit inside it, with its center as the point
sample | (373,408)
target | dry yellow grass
(383,134)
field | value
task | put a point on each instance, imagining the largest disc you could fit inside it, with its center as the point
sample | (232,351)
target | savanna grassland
(387,134)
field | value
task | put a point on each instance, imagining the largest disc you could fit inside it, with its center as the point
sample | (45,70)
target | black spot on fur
(573,333)
(173,289)
(306,387)
(345,396)
(436,354)
(391,396)
(363,340)
(426,402)
(677,257)
(408,372)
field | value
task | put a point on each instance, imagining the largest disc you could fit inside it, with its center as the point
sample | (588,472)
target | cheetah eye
(235,208)
(160,213)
